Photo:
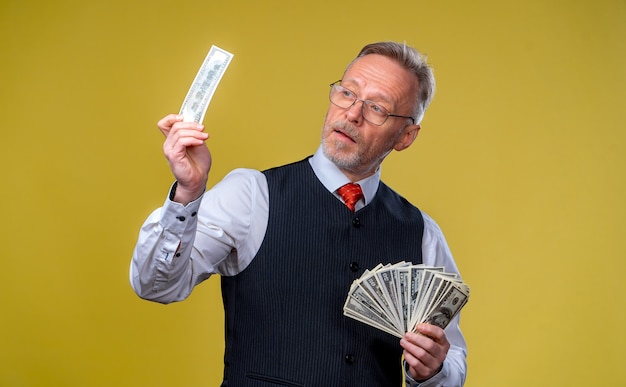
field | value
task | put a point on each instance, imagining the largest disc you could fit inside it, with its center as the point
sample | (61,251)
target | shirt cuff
(176,218)
(435,380)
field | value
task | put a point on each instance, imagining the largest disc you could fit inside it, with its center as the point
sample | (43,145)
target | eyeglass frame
(337,83)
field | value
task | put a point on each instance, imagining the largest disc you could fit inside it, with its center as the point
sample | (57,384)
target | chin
(340,156)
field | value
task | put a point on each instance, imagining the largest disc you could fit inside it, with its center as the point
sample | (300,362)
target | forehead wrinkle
(376,96)
(373,71)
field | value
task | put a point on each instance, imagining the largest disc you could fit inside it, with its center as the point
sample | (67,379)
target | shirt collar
(332,178)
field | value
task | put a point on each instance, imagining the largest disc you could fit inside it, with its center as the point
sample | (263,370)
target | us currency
(443,292)
(363,310)
(388,287)
(421,276)
(403,289)
(375,289)
(203,87)
(395,298)
(435,284)
(447,308)
(393,281)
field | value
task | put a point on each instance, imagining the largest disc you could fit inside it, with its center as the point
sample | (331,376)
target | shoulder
(396,202)
(239,185)
(294,166)
(242,176)
(435,249)
(431,225)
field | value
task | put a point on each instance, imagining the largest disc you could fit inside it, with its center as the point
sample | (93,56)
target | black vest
(284,313)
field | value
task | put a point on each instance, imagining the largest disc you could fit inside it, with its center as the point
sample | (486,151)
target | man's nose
(355,112)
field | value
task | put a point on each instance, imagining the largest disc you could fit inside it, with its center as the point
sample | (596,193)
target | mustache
(346,127)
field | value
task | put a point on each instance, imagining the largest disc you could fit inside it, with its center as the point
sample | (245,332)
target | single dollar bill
(447,307)
(204,85)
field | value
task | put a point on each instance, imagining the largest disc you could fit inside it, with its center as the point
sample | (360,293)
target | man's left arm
(436,357)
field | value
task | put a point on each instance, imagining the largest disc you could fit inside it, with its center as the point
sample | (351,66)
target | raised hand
(188,155)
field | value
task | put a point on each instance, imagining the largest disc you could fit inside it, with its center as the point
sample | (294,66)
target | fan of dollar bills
(395,298)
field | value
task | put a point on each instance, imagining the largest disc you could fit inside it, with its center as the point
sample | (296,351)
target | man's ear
(408,135)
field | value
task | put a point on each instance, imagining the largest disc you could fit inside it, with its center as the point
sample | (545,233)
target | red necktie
(350,193)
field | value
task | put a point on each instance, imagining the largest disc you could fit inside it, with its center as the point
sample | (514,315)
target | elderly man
(289,241)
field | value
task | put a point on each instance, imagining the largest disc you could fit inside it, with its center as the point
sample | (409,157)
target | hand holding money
(395,298)
(425,351)
(185,147)
(188,156)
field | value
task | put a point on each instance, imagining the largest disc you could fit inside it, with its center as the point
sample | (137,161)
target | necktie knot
(350,193)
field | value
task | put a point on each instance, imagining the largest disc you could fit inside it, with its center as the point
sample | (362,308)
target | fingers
(425,351)
(182,135)
(432,331)
(165,124)
(175,121)
(186,151)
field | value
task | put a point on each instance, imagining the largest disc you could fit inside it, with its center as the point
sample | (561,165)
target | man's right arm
(219,233)
(156,274)
(161,268)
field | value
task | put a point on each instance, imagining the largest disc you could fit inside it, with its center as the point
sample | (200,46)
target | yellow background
(521,160)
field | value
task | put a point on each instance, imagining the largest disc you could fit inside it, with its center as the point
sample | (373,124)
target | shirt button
(181,218)
(354,266)
(194,213)
(349,359)
(356,222)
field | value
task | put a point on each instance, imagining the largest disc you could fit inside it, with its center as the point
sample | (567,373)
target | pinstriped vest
(284,313)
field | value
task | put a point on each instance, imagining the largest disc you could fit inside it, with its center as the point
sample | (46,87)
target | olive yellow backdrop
(521,160)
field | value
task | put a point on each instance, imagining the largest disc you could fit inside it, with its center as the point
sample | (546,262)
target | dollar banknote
(446,307)
(203,87)
(395,298)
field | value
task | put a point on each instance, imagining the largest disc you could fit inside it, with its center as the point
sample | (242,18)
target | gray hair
(415,62)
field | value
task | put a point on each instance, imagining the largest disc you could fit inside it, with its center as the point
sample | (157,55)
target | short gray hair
(415,62)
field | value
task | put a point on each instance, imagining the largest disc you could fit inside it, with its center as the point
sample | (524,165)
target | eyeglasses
(372,112)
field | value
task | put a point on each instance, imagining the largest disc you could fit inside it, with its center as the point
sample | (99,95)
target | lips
(345,135)
(340,129)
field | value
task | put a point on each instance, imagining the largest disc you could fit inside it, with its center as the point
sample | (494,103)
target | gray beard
(348,162)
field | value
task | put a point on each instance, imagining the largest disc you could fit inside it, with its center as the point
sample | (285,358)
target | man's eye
(347,94)
(378,109)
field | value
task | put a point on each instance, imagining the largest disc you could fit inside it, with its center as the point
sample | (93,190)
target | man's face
(355,145)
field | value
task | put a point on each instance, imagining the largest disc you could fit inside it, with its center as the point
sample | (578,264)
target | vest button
(356,222)
(354,266)
(349,359)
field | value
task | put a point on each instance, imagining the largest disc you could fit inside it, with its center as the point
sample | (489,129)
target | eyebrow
(347,83)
